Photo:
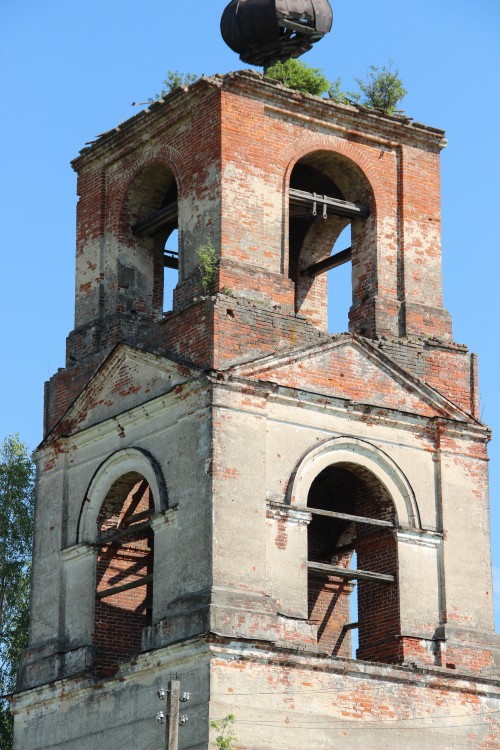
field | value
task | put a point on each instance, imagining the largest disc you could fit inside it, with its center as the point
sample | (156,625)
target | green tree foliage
(225,738)
(299,76)
(382,89)
(16,529)
(175,80)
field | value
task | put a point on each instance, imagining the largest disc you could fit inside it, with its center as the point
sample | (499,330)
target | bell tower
(292,521)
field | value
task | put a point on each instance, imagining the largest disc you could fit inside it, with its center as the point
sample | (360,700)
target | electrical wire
(291,721)
(483,714)
(353,723)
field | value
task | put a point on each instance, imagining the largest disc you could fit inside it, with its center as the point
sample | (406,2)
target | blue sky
(70,70)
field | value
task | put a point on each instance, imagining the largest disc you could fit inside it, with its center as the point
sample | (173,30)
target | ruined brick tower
(219,483)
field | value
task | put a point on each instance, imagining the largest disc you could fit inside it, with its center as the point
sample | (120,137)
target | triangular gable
(128,377)
(350,368)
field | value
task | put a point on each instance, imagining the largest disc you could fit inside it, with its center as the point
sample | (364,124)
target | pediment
(350,368)
(128,378)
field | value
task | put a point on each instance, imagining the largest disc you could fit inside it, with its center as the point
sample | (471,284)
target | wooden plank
(348,573)
(124,587)
(156,220)
(334,206)
(325,265)
(350,517)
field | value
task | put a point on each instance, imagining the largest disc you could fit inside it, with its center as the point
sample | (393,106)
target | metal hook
(325,210)
(314,205)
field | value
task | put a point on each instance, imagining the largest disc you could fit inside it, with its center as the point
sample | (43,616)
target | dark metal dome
(265,31)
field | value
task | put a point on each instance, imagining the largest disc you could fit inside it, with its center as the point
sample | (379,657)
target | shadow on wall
(124,572)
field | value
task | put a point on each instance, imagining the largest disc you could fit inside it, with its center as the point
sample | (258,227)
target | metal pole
(172,725)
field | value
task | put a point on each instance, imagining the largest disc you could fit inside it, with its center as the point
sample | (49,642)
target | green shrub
(382,89)
(208,263)
(297,75)
(225,738)
(176,80)
(336,93)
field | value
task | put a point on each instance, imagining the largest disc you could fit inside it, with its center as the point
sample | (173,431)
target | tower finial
(265,31)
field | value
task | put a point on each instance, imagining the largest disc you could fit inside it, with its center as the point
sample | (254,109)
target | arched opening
(330,202)
(352,552)
(124,572)
(152,215)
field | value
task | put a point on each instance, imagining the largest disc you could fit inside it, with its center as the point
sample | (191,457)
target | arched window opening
(124,572)
(352,548)
(327,195)
(152,209)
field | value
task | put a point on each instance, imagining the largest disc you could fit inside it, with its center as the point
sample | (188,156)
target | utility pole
(172,720)
(172,723)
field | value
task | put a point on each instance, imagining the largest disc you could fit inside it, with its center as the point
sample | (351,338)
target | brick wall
(350,490)
(200,147)
(120,618)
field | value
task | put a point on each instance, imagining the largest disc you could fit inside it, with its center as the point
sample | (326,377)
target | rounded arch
(150,186)
(350,450)
(314,143)
(151,177)
(165,157)
(128,460)
(336,168)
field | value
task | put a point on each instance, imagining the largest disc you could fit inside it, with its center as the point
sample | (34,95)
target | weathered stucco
(246,424)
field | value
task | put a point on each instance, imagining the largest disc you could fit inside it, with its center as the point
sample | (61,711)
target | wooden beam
(156,220)
(348,573)
(345,548)
(124,587)
(326,205)
(325,265)
(350,517)
(138,529)
(128,520)
(350,626)
(171,260)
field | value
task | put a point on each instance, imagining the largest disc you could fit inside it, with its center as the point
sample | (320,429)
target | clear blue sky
(70,71)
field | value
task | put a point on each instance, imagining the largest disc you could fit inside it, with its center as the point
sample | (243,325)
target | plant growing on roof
(381,89)
(336,93)
(175,80)
(299,76)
